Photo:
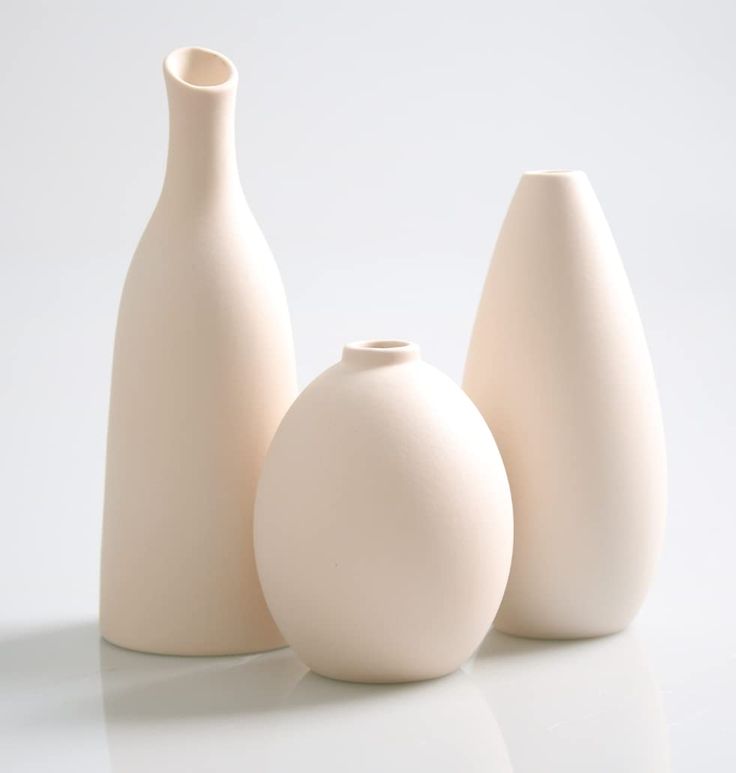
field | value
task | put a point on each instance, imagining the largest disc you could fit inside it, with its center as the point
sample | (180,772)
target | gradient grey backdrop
(379,146)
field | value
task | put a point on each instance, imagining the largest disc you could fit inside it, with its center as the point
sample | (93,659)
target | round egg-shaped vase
(383,525)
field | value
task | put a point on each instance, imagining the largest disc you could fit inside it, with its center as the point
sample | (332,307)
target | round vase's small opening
(380,352)
(382,344)
(199,67)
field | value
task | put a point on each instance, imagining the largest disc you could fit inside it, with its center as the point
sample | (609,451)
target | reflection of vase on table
(587,705)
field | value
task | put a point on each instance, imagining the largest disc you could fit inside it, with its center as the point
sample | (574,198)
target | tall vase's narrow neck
(201,87)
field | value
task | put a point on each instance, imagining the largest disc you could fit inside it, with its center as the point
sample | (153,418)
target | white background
(379,146)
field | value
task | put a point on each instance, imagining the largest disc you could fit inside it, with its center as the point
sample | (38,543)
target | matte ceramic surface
(559,367)
(383,525)
(203,372)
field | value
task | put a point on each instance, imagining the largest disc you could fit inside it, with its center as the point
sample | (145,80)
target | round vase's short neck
(371,354)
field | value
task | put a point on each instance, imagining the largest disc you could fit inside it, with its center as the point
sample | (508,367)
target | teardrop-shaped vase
(383,520)
(203,372)
(558,366)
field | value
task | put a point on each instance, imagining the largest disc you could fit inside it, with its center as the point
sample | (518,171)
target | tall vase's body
(203,373)
(383,520)
(558,365)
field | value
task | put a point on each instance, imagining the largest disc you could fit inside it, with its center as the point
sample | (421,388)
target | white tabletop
(656,697)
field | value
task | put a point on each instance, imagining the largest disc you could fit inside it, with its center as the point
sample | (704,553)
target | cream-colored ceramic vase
(559,367)
(203,372)
(383,524)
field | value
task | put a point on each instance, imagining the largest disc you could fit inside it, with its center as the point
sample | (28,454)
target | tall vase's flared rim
(380,351)
(201,69)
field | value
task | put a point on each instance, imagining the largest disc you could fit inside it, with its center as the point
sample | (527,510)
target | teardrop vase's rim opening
(200,68)
(380,351)
(554,173)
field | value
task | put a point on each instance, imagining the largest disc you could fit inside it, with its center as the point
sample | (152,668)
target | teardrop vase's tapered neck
(372,354)
(566,215)
(201,87)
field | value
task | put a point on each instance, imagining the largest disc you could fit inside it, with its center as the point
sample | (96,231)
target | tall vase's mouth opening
(199,67)
(381,351)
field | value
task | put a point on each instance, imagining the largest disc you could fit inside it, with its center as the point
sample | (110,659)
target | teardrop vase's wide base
(214,652)
(558,634)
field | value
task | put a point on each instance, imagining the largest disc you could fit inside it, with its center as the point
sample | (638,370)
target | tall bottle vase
(203,372)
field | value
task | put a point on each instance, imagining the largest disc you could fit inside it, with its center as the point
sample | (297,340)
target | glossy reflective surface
(73,702)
